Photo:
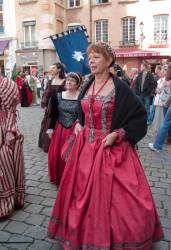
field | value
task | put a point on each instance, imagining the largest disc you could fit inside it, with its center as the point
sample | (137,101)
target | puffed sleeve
(53,111)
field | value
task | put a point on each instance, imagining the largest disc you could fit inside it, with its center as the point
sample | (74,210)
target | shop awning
(133,52)
(3,45)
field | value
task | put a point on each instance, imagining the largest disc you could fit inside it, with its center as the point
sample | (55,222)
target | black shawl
(128,112)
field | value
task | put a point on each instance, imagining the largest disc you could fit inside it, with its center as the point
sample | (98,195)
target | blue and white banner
(71,47)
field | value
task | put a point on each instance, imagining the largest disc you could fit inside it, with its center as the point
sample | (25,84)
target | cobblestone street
(27,228)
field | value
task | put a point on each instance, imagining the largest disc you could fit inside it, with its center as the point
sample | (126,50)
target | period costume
(11,157)
(33,85)
(63,116)
(50,91)
(19,82)
(26,94)
(104,200)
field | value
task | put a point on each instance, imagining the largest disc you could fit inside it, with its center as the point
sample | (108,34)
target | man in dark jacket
(144,86)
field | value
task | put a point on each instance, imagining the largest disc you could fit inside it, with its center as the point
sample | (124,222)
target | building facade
(8,40)
(138,30)
(36,21)
(145,32)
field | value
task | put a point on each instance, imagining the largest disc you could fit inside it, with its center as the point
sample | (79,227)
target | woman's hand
(9,139)
(49,132)
(110,139)
(77,128)
(50,135)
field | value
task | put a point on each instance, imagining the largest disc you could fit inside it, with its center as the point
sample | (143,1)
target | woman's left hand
(110,139)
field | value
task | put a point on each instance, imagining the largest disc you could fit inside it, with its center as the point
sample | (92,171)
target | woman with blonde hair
(164,130)
(133,76)
(158,102)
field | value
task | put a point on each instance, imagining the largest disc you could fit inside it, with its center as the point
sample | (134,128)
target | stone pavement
(27,228)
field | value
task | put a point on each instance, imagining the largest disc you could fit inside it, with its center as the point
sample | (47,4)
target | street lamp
(142,37)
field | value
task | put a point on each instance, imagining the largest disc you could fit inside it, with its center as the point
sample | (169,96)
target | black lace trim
(113,245)
(93,247)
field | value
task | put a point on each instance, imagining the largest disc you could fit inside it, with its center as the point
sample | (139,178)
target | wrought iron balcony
(27,1)
(131,42)
(29,45)
(160,41)
(101,1)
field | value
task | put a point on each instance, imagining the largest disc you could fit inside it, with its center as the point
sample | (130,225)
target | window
(128,30)
(1,5)
(101,30)
(1,17)
(73,25)
(73,3)
(29,34)
(102,1)
(160,29)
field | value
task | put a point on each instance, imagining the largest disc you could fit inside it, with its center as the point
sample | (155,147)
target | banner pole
(45,37)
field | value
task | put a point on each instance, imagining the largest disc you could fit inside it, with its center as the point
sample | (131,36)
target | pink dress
(104,200)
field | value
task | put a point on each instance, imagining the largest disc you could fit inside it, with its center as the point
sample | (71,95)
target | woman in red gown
(25,92)
(19,82)
(104,200)
(64,112)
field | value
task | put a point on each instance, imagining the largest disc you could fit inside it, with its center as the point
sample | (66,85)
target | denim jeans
(146,101)
(152,113)
(164,113)
(163,130)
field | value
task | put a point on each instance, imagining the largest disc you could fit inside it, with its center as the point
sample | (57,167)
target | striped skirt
(11,177)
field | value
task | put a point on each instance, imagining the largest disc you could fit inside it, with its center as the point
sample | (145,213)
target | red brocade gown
(104,200)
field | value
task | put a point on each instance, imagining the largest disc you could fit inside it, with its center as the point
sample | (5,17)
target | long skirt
(157,119)
(34,91)
(12,179)
(104,200)
(56,163)
(26,96)
(44,140)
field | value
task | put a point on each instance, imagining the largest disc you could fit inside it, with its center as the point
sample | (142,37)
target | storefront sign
(137,54)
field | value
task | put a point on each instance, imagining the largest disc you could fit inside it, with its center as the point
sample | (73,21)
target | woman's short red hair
(102,48)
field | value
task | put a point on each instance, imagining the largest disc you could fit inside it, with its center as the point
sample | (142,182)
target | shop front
(133,57)
(35,60)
